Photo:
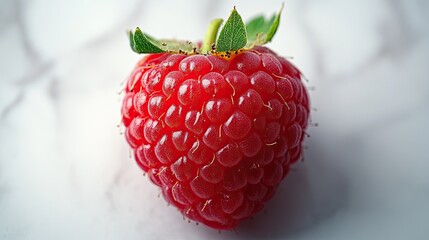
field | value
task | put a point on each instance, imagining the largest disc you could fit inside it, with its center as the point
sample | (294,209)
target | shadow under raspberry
(313,192)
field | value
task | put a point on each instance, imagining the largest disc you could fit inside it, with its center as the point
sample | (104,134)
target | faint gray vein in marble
(53,89)
(36,73)
(126,23)
(312,38)
(26,40)
(397,39)
(5,112)
(8,17)
(32,55)
(396,33)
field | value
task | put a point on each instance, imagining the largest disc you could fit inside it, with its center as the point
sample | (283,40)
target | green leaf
(261,30)
(131,38)
(143,43)
(140,43)
(233,34)
(274,24)
(255,26)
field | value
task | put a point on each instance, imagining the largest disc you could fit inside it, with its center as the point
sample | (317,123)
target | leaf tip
(233,35)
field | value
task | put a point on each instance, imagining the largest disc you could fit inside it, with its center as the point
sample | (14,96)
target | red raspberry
(218,144)
(216,134)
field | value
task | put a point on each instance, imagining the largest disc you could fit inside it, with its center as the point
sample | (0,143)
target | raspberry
(218,132)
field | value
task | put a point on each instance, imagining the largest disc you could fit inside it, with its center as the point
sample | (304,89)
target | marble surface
(65,171)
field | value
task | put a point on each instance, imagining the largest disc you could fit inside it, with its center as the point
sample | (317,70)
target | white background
(64,168)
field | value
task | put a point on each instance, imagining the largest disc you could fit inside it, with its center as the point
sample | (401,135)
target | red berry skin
(216,135)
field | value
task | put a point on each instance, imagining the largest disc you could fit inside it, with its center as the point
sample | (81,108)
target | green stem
(211,34)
